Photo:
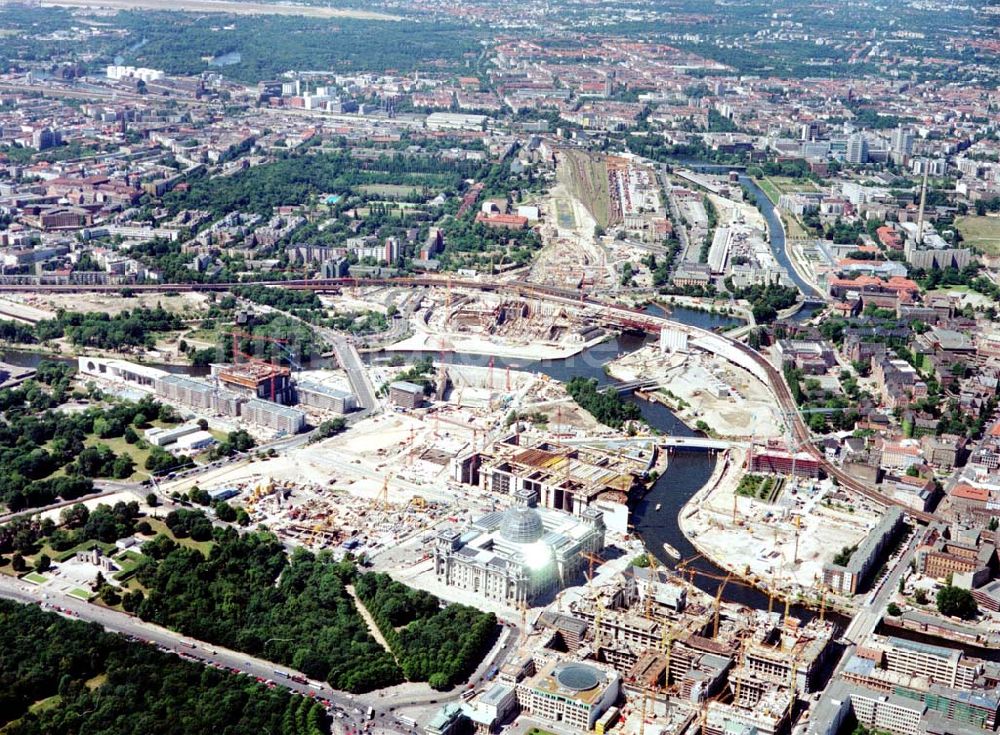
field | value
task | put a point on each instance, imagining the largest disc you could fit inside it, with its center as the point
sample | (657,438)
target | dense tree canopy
(143,692)
(605,405)
(956,601)
(438,645)
(34,446)
(248,595)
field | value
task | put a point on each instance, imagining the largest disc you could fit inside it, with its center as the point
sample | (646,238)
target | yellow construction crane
(383,495)
(592,559)
(598,609)
(594,597)
(772,590)
(718,605)
(739,669)
(792,684)
(654,578)
(666,646)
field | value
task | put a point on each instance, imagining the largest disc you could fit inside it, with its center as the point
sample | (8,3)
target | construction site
(685,661)
(497,324)
(699,386)
(773,526)
(466,451)
(571,257)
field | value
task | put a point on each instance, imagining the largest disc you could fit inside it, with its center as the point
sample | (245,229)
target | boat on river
(671,551)
(658,506)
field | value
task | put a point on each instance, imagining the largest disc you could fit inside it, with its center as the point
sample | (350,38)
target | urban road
(868,616)
(349,710)
(609,313)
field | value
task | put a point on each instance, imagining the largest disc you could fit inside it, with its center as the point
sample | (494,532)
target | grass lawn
(564,214)
(787,184)
(119,446)
(586,176)
(793,229)
(769,189)
(393,190)
(775,186)
(36,578)
(159,526)
(981,232)
(80,593)
(47,703)
(203,337)
(128,562)
(950,289)
(61,556)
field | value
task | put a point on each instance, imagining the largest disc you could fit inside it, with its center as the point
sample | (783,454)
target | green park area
(61,676)
(982,233)
(760,487)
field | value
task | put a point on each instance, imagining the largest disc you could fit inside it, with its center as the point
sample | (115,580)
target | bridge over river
(667,442)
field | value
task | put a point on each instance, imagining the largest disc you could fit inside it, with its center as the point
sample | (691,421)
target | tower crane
(593,558)
(718,605)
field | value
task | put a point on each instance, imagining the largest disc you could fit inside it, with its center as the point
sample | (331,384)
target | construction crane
(237,334)
(718,605)
(595,598)
(598,610)
(383,495)
(685,568)
(593,559)
(642,713)
(739,668)
(654,577)
(798,527)
(793,686)
(237,353)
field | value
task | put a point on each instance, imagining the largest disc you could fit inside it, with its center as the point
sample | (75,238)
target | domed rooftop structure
(522,525)
(578,677)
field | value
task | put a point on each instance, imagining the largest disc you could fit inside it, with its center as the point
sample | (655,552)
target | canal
(775,229)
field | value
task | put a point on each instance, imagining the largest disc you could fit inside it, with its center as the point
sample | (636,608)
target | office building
(198,395)
(573,694)
(256,380)
(902,141)
(849,578)
(946,666)
(406,394)
(282,419)
(857,149)
(324,397)
(160,437)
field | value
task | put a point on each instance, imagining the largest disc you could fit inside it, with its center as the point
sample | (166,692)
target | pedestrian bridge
(703,443)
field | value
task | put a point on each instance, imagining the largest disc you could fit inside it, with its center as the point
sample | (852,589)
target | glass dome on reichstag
(522,525)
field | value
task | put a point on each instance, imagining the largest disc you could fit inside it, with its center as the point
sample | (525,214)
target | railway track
(612,314)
